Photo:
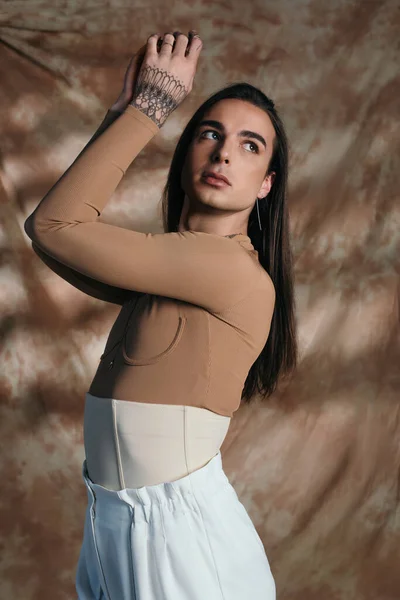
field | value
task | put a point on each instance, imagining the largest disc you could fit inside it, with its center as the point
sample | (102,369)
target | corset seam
(116,440)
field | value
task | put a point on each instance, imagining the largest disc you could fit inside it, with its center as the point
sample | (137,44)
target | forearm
(111,116)
(157,95)
(85,284)
(83,190)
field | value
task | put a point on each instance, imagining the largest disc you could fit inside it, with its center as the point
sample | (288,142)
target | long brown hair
(279,355)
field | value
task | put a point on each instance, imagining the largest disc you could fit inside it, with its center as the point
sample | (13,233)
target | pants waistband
(207,479)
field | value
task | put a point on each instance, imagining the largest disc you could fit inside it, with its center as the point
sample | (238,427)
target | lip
(216,176)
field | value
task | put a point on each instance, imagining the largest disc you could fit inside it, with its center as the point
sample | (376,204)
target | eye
(256,151)
(208,131)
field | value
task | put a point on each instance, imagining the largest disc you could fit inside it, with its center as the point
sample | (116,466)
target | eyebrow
(244,133)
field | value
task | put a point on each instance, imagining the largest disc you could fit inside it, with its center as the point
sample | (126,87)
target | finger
(181,44)
(195,47)
(167,45)
(134,65)
(152,43)
(192,33)
(137,55)
(161,39)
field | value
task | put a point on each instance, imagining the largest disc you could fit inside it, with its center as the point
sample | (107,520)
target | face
(223,147)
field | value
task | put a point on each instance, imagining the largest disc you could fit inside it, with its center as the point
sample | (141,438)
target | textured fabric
(197,307)
(190,539)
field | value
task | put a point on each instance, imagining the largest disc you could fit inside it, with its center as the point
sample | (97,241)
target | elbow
(29,229)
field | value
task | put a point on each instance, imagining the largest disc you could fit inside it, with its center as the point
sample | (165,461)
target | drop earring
(258,213)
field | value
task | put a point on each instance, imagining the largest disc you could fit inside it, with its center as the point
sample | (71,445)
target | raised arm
(200,268)
(88,285)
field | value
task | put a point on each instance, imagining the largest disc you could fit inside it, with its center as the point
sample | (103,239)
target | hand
(130,80)
(166,74)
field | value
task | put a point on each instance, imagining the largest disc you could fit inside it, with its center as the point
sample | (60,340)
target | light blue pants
(190,539)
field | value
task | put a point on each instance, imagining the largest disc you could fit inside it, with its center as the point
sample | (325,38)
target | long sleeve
(87,285)
(91,287)
(205,269)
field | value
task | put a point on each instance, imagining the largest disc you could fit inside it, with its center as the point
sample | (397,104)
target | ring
(167,43)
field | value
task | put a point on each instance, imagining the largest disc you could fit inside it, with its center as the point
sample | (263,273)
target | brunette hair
(279,355)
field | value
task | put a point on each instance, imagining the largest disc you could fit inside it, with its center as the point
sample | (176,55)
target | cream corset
(135,444)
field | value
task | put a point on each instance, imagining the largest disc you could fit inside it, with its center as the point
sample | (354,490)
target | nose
(220,153)
(217,158)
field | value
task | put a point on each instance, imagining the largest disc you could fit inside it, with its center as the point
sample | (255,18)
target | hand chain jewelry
(158,94)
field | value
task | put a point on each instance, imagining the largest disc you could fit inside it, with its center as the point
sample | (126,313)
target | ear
(266,185)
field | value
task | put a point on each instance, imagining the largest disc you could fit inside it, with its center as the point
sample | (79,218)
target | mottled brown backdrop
(317,466)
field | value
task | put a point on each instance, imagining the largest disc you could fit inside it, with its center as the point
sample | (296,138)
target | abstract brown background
(317,465)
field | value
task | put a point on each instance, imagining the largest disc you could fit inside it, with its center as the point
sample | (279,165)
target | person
(197,314)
